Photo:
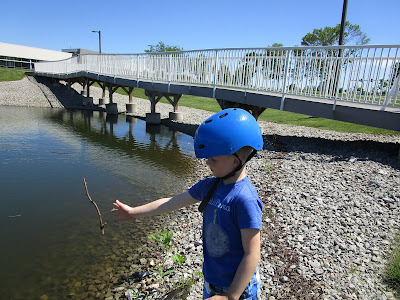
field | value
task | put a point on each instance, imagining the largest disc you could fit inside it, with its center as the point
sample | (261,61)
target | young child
(230,205)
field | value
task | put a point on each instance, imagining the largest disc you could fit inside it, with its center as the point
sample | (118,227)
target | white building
(23,57)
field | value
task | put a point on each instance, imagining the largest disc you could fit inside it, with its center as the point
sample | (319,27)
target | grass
(284,117)
(8,74)
(392,271)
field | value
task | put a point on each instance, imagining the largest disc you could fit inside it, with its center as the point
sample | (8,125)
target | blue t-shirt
(233,207)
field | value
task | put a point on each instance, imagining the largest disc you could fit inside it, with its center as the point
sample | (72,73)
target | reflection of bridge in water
(148,145)
(358,84)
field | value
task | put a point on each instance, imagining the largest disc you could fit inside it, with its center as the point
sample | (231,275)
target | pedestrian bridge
(357,84)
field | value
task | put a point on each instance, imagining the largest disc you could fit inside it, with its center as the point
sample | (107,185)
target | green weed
(178,259)
(163,273)
(163,238)
(392,271)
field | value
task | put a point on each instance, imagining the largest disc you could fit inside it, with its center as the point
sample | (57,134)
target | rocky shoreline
(331,206)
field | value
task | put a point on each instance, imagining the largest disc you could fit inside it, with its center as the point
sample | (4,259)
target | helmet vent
(208,121)
(201,146)
(224,115)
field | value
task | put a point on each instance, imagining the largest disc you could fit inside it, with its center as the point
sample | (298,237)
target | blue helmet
(226,132)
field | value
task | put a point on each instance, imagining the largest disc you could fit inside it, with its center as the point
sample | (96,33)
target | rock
(284,279)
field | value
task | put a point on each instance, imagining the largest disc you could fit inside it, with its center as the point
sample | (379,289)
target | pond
(51,244)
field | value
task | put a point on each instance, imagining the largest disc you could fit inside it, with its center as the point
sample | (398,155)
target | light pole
(343,23)
(341,36)
(99,39)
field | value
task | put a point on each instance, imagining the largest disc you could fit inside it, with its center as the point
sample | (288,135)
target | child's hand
(122,211)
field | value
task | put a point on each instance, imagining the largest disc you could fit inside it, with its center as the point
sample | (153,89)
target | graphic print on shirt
(217,240)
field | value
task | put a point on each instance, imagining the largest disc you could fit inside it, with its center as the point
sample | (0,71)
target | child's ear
(236,161)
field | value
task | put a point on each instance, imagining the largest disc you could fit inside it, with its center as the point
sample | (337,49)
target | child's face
(221,165)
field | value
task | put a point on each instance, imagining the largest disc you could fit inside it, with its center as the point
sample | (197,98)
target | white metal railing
(365,74)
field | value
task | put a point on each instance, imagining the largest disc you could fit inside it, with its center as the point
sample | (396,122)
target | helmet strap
(241,164)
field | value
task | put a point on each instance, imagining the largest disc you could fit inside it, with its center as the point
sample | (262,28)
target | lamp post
(341,36)
(99,39)
(343,23)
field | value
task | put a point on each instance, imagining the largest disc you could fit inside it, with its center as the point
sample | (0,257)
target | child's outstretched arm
(125,212)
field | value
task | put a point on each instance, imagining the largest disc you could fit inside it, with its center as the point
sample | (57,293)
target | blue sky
(130,26)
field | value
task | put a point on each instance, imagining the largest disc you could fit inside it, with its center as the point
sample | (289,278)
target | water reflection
(131,145)
(54,247)
(154,144)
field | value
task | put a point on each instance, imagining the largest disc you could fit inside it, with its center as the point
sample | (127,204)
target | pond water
(51,244)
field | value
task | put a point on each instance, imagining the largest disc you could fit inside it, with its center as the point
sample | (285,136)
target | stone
(284,279)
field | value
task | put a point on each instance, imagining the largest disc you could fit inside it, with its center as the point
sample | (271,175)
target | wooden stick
(102,225)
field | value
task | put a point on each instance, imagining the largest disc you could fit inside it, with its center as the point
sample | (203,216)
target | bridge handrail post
(99,64)
(169,71)
(285,78)
(215,71)
(137,70)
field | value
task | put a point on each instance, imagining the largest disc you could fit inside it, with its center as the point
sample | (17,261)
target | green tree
(328,36)
(162,47)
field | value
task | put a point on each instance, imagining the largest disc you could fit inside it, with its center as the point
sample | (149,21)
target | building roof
(12,50)
(79,51)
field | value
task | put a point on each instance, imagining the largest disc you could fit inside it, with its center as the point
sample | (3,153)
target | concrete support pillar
(88,101)
(131,108)
(112,108)
(176,116)
(153,118)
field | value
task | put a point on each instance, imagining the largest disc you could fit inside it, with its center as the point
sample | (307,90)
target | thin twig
(102,225)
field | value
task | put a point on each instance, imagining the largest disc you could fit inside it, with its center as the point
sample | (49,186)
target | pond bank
(331,208)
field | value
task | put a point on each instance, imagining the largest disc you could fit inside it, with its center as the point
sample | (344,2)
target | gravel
(331,206)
